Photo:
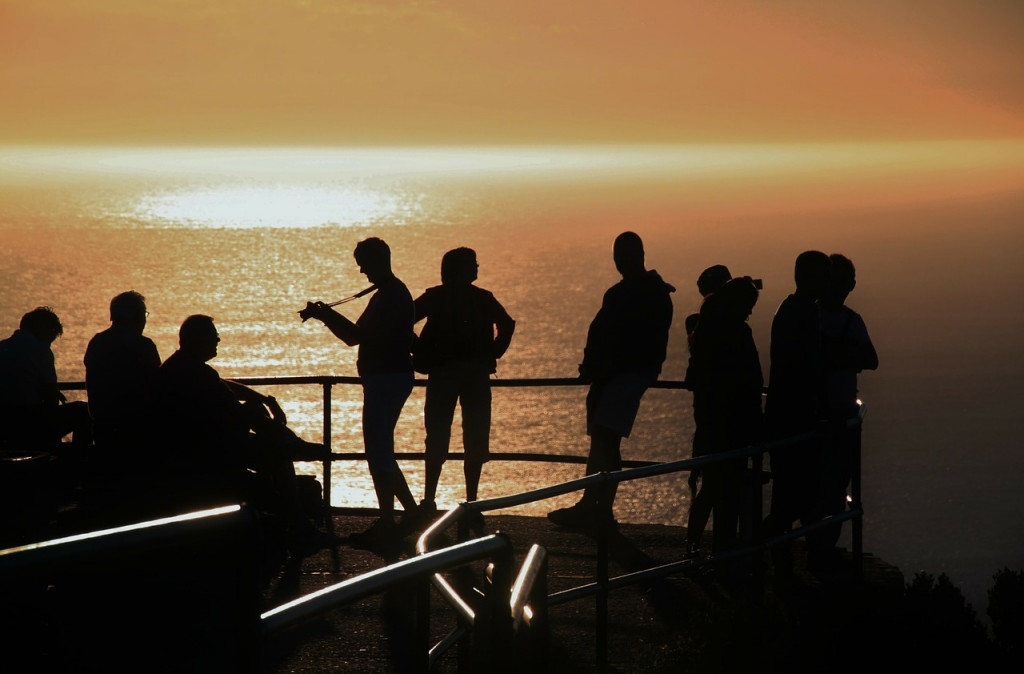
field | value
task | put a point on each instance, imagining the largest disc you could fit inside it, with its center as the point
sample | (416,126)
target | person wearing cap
(724,373)
(710,280)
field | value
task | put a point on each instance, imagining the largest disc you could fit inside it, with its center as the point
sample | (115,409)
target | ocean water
(248,235)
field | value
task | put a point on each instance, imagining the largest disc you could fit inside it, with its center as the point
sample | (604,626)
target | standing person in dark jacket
(384,334)
(846,350)
(466,332)
(794,403)
(725,375)
(626,346)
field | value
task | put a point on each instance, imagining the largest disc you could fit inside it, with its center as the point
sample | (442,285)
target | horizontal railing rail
(116,598)
(327,382)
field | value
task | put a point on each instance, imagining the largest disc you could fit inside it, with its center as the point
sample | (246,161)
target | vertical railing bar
(857,525)
(601,599)
(326,464)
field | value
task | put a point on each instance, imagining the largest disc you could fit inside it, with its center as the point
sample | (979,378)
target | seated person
(217,435)
(34,414)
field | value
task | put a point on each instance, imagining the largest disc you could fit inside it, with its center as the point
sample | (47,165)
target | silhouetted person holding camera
(34,413)
(794,404)
(466,331)
(710,280)
(384,334)
(847,350)
(625,349)
(724,374)
(120,374)
(222,440)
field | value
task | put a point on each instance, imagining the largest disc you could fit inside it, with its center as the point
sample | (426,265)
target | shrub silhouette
(1006,611)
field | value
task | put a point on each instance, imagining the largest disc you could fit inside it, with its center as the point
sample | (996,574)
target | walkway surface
(689,622)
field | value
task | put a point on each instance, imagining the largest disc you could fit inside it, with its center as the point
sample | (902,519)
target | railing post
(601,598)
(857,523)
(327,446)
(539,628)
(421,645)
(757,513)
(493,651)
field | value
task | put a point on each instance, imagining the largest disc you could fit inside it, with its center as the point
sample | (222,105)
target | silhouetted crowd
(211,440)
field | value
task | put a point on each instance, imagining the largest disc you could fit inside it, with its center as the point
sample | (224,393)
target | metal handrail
(604,584)
(530,573)
(432,563)
(166,531)
(327,382)
(310,606)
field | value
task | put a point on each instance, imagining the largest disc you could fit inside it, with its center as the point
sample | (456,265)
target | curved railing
(524,600)
(752,543)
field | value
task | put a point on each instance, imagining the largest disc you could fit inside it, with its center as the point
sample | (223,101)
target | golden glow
(463,71)
(302,187)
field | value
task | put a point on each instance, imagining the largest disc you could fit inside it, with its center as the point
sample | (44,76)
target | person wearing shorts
(466,331)
(625,349)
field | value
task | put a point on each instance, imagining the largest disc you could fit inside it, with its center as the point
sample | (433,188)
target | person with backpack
(466,331)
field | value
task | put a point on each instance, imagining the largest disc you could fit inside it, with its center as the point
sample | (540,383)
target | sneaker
(475,521)
(419,517)
(380,532)
(581,516)
(308,540)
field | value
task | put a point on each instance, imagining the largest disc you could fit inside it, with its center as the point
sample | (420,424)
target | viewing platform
(691,622)
(208,590)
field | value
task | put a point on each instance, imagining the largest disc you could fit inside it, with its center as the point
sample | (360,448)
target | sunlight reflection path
(234,206)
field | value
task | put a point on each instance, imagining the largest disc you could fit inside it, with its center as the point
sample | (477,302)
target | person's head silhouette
(628,253)
(198,337)
(374,259)
(843,281)
(812,272)
(738,297)
(128,309)
(43,324)
(712,278)
(459,267)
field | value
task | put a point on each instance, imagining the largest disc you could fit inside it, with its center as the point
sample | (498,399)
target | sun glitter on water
(300,206)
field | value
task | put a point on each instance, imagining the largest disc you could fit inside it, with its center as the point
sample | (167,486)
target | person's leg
(605,456)
(726,506)
(698,516)
(475,399)
(383,399)
(438,413)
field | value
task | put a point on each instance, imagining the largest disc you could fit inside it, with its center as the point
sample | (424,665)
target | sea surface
(248,235)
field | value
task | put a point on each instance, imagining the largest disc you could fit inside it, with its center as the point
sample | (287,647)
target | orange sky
(497,71)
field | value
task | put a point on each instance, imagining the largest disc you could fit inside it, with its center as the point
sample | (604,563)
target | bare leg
(431,479)
(472,470)
(402,492)
(383,485)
